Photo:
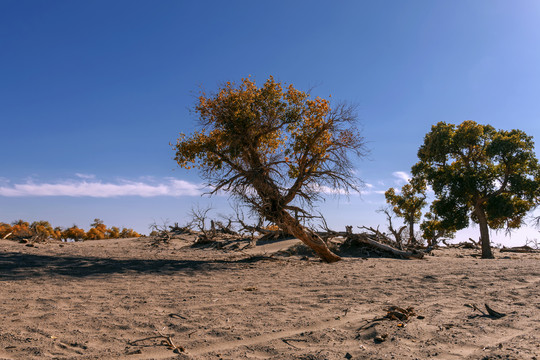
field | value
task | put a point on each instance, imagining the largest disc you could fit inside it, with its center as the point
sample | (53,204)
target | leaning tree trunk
(274,211)
(484,233)
(308,237)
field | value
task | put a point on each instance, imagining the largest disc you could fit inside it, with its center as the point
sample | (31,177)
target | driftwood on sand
(471,244)
(375,239)
(378,244)
(520,249)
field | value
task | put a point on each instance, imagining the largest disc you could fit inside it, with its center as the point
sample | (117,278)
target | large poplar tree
(276,149)
(477,172)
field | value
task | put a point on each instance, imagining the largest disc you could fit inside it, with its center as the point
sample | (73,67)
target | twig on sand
(286,341)
(167,341)
(520,249)
(474,307)
(493,313)
(490,312)
(177,316)
(394,313)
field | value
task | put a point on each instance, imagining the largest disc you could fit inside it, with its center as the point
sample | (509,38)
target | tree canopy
(477,172)
(275,148)
(408,203)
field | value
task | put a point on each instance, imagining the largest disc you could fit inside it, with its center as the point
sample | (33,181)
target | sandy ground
(98,299)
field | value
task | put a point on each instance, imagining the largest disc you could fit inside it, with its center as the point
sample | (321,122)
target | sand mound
(107,300)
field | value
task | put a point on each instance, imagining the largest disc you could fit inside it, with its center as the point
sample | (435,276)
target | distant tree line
(43,230)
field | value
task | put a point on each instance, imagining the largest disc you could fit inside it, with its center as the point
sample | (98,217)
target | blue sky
(92,92)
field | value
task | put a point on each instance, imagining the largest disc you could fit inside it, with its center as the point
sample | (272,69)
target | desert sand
(108,299)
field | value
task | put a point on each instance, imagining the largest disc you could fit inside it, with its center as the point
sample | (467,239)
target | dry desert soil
(111,299)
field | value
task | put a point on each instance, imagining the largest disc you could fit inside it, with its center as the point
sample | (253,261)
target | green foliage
(479,173)
(434,229)
(409,203)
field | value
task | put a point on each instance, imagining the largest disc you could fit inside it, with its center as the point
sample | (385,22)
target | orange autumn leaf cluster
(286,127)
(42,230)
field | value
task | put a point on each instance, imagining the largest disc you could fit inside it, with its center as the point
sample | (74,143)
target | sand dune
(98,299)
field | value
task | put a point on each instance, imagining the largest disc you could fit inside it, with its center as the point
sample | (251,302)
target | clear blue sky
(92,92)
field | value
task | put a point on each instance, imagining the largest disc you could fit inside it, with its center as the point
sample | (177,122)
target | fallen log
(462,245)
(392,250)
(364,239)
(520,249)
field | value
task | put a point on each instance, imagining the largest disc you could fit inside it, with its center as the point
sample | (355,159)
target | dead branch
(198,219)
(533,243)
(377,244)
(474,307)
(490,311)
(167,341)
(327,232)
(471,244)
(5,237)
(177,316)
(520,249)
(494,313)
(286,341)
(226,229)
(179,230)
(398,237)
(161,234)
(267,234)
(398,313)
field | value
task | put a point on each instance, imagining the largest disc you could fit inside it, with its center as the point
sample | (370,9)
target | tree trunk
(308,237)
(484,233)
(412,240)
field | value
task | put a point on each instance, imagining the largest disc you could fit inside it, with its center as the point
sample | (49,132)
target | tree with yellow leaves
(5,230)
(74,232)
(276,149)
(97,230)
(21,230)
(41,230)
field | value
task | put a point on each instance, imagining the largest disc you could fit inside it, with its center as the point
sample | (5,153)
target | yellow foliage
(242,120)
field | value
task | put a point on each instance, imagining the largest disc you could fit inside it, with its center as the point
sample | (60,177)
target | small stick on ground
(490,312)
(286,341)
(493,313)
(177,316)
(167,341)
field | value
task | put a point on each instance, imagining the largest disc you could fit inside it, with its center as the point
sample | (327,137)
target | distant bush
(40,231)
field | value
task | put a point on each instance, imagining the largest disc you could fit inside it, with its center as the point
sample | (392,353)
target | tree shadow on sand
(17,266)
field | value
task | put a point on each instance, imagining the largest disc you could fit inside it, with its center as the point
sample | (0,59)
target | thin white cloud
(328,190)
(402,177)
(85,176)
(368,189)
(98,189)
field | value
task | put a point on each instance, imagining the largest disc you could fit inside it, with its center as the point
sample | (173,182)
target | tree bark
(274,211)
(308,237)
(412,240)
(484,233)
